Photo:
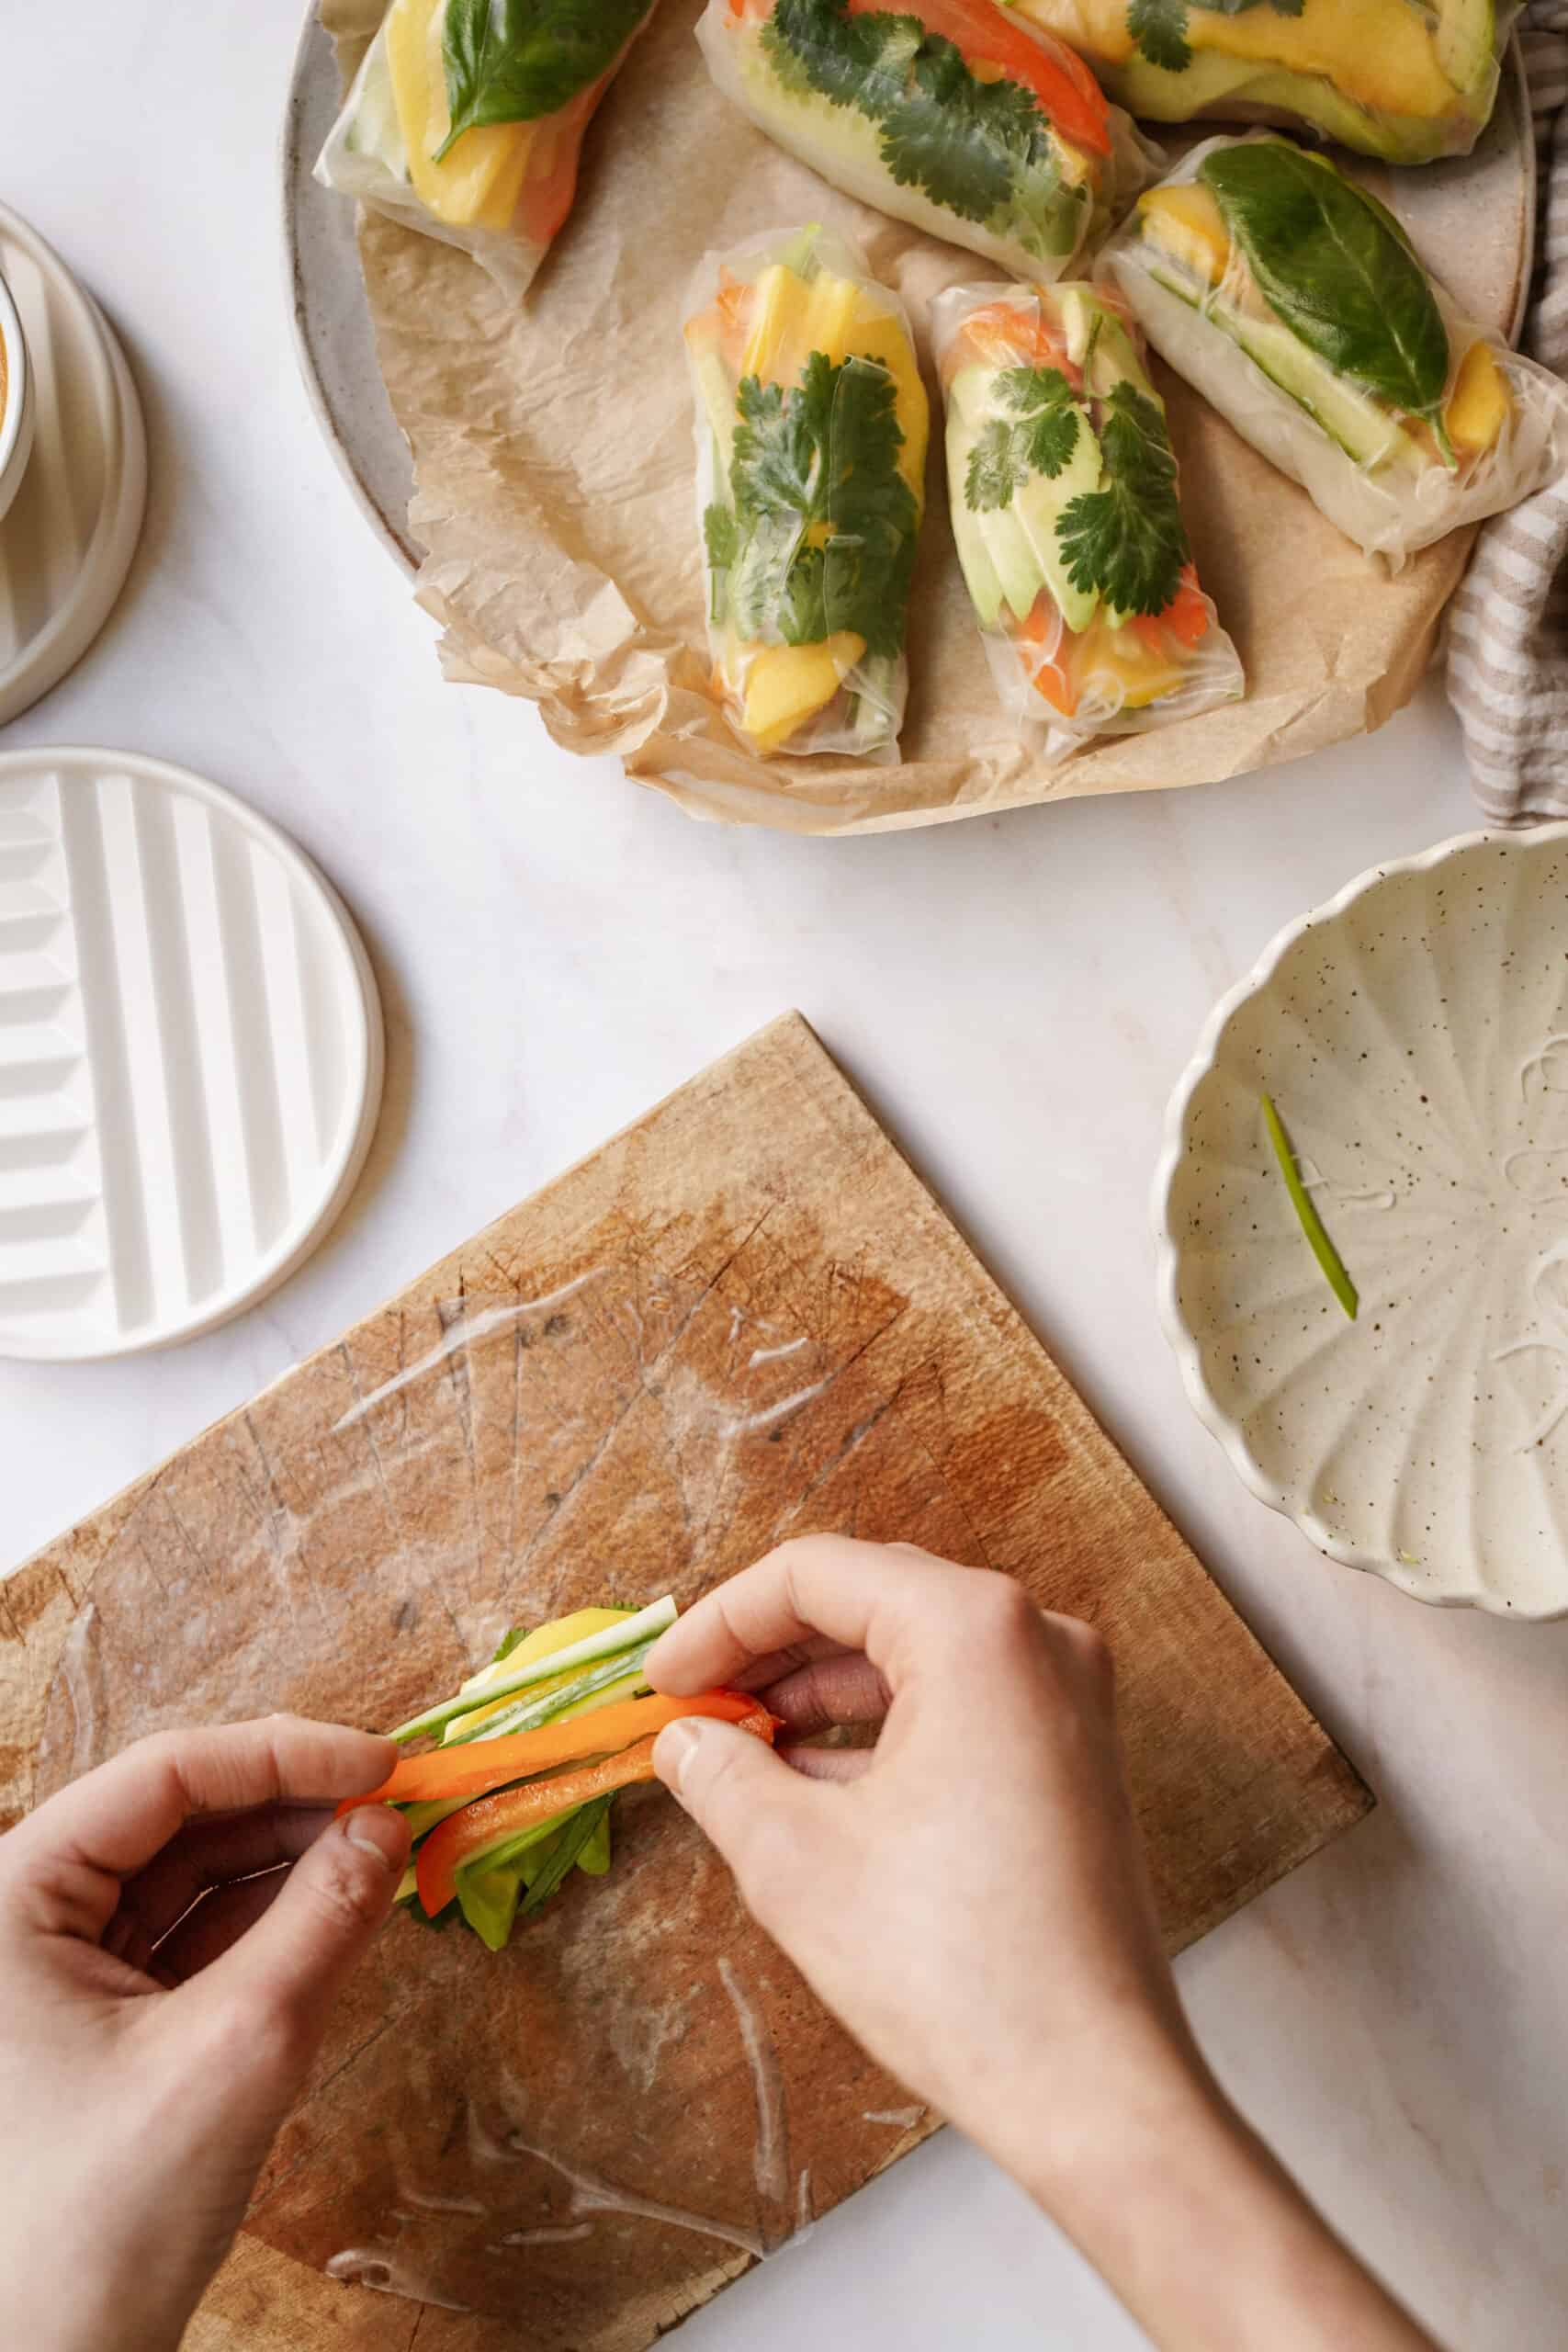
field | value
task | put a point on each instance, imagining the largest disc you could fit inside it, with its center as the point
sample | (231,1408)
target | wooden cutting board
(743,1319)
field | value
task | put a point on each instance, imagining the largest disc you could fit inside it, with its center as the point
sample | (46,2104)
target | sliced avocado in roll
(1010,552)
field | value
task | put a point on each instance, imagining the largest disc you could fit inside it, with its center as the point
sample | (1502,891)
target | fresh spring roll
(1404,79)
(1064,494)
(1298,307)
(811,458)
(955,115)
(466,120)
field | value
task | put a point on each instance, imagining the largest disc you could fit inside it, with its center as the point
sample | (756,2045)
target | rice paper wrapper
(553,461)
(1061,682)
(1391,511)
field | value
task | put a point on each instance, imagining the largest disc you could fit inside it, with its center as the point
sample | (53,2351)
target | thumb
(292,1965)
(756,1810)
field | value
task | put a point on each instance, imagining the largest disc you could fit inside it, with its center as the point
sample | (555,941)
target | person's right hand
(970,1896)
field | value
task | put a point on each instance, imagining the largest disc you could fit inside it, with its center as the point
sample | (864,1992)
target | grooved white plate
(1414,1036)
(190,1054)
(67,541)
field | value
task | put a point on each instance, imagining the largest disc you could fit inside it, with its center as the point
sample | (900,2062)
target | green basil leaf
(1333,265)
(517,61)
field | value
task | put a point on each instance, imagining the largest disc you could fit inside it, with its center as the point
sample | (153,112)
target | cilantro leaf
(1044,398)
(1126,539)
(721,537)
(1159,27)
(825,520)
(995,468)
(517,61)
(1041,442)
(981,150)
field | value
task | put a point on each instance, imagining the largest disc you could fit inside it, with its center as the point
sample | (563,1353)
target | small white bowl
(1414,1036)
(17,417)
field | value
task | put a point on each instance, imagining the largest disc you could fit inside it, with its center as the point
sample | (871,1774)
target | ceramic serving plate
(1414,1036)
(1473,219)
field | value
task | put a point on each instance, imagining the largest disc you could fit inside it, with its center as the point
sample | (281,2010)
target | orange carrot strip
(494,1818)
(478,1766)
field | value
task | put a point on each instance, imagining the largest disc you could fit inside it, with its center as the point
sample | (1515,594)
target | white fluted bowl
(1414,1036)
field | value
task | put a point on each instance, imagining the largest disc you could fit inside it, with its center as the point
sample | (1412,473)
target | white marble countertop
(558,949)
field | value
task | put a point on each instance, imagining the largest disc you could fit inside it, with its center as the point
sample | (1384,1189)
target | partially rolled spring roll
(1064,496)
(479,150)
(811,424)
(955,115)
(1295,303)
(1407,80)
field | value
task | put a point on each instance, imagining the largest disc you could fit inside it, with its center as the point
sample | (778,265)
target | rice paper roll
(955,115)
(1064,494)
(1407,80)
(465,120)
(1295,303)
(812,424)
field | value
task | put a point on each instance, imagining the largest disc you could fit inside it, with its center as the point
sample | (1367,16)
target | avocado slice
(1366,432)
(1018,543)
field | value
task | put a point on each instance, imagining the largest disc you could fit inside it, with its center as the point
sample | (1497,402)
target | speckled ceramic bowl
(1414,1036)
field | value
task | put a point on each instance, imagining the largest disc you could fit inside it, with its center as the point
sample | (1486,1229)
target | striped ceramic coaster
(190,1054)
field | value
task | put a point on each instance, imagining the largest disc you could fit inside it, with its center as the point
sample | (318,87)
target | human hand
(149,2051)
(970,1896)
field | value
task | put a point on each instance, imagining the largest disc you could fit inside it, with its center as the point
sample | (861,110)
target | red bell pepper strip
(1069,96)
(464,1834)
(480,1764)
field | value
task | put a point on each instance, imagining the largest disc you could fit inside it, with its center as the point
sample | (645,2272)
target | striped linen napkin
(1508,642)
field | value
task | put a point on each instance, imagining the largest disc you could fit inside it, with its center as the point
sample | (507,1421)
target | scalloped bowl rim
(1184,1340)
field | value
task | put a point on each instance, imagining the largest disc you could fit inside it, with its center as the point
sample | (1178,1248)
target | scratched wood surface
(742,1318)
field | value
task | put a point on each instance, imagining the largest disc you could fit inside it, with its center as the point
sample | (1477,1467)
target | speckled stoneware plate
(1473,220)
(1414,1034)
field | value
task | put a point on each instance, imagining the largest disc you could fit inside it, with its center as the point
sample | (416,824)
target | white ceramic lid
(67,539)
(190,1054)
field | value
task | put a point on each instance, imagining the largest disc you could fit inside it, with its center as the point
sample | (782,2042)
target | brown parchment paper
(554,461)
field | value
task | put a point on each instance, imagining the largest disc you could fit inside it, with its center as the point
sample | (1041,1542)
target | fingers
(829,1763)
(862,1596)
(287,1970)
(762,1817)
(763,1672)
(206,1854)
(843,1690)
(112,1821)
(216,1924)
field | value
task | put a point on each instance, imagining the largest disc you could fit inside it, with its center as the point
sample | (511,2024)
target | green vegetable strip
(612,1642)
(530,1714)
(1323,1250)
(576,1834)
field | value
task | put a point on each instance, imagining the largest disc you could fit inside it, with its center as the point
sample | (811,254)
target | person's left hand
(174,1929)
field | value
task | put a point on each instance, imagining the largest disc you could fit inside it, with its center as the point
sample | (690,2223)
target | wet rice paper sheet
(553,458)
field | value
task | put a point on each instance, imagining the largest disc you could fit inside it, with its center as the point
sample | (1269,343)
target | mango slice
(1186,222)
(479,184)
(793,316)
(787,684)
(1481,403)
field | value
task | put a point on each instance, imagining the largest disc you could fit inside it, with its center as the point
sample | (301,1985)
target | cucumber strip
(1323,1250)
(527,1715)
(615,1639)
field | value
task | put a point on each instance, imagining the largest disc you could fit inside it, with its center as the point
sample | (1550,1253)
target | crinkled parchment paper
(553,461)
